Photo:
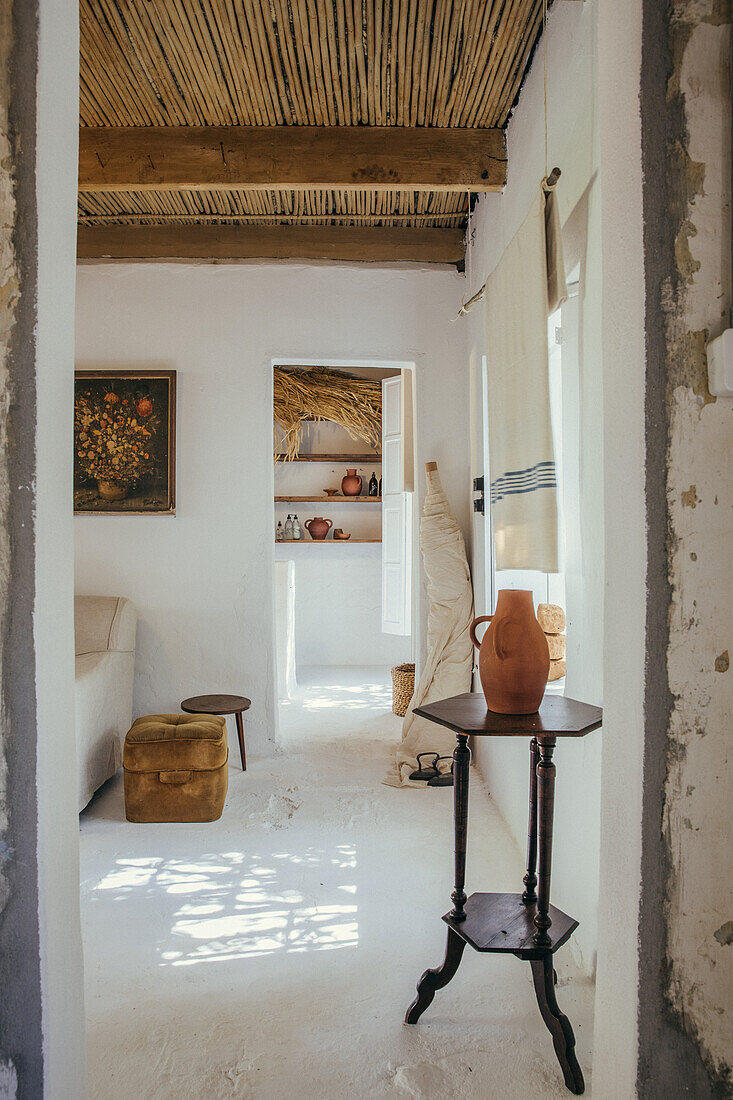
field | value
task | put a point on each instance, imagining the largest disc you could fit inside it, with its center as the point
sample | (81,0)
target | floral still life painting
(125,442)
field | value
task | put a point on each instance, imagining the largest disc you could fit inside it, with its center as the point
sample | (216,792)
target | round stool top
(216,704)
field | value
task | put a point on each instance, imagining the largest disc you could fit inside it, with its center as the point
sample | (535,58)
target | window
(562,336)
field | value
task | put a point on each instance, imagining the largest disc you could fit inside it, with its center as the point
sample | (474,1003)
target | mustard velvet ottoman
(175,768)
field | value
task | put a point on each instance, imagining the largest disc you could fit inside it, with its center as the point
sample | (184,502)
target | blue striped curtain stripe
(541,476)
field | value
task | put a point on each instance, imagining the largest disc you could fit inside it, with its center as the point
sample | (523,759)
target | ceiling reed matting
(432,64)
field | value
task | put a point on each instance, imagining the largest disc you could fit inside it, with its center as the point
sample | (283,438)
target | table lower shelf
(503,923)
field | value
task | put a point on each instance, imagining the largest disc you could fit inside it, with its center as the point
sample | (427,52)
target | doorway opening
(343,522)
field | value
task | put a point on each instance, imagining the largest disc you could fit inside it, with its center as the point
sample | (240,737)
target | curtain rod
(547,184)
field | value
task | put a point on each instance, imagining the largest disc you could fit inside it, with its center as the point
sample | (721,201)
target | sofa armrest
(104,623)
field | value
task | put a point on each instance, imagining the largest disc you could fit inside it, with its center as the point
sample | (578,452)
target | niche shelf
(356,460)
(323,499)
(295,490)
(322,542)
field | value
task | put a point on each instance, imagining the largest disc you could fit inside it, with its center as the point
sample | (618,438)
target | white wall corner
(623,349)
(57,104)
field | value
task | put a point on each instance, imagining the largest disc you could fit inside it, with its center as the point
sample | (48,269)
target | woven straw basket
(403,688)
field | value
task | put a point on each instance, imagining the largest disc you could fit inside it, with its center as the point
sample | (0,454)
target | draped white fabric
(447,669)
(527,284)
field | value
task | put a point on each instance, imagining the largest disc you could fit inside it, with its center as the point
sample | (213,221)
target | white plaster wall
(203,580)
(338,589)
(622,354)
(58,843)
(338,607)
(700,495)
(573,146)
(285,628)
(594,57)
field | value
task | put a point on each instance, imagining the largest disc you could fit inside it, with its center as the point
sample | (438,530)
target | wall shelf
(322,542)
(300,489)
(323,499)
(356,460)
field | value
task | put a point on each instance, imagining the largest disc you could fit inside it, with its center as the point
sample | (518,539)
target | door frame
(347,364)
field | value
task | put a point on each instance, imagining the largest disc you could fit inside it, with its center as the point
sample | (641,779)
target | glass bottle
(380,486)
(296,528)
(279,533)
(288,528)
(373,485)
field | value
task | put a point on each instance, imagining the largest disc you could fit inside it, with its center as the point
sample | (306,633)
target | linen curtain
(526,286)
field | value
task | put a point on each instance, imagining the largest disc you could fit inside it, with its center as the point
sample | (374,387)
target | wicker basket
(403,688)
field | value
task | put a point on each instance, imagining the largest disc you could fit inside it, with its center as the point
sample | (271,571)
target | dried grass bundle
(323,394)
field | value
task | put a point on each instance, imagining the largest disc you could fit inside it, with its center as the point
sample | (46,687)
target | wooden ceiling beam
(283,242)
(175,158)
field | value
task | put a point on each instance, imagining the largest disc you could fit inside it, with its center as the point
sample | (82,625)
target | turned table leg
(529,897)
(546,799)
(461,761)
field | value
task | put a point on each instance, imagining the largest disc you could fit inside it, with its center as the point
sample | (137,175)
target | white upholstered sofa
(105,628)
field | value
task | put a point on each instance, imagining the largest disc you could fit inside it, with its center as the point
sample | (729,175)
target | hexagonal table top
(558,716)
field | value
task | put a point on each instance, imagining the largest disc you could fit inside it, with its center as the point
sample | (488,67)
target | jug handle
(499,649)
(474,624)
(307,525)
(330,523)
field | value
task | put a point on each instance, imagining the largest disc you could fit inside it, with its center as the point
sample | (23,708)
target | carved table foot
(558,1024)
(436,978)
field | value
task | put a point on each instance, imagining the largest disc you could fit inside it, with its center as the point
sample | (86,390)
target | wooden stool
(221,704)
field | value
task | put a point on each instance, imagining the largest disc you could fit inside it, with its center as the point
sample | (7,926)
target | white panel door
(396,516)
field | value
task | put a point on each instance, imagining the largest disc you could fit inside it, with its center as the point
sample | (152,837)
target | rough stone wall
(9,296)
(697,796)
(686,957)
(21,1040)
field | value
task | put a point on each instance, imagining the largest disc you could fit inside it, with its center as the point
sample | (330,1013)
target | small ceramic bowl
(341,536)
(330,492)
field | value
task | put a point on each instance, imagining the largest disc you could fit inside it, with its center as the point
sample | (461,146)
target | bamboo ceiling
(275,63)
(268,207)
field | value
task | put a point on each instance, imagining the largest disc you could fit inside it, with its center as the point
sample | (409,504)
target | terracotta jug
(514,659)
(351,484)
(318,528)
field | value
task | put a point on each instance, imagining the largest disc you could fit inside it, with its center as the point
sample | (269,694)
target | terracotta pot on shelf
(318,528)
(514,659)
(351,484)
(112,490)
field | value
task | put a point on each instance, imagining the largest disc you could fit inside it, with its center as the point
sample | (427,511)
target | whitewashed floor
(273,953)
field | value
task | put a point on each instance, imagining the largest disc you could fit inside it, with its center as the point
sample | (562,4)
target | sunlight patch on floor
(246,909)
(328,692)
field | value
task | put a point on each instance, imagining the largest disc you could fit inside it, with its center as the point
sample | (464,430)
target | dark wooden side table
(525,924)
(221,704)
